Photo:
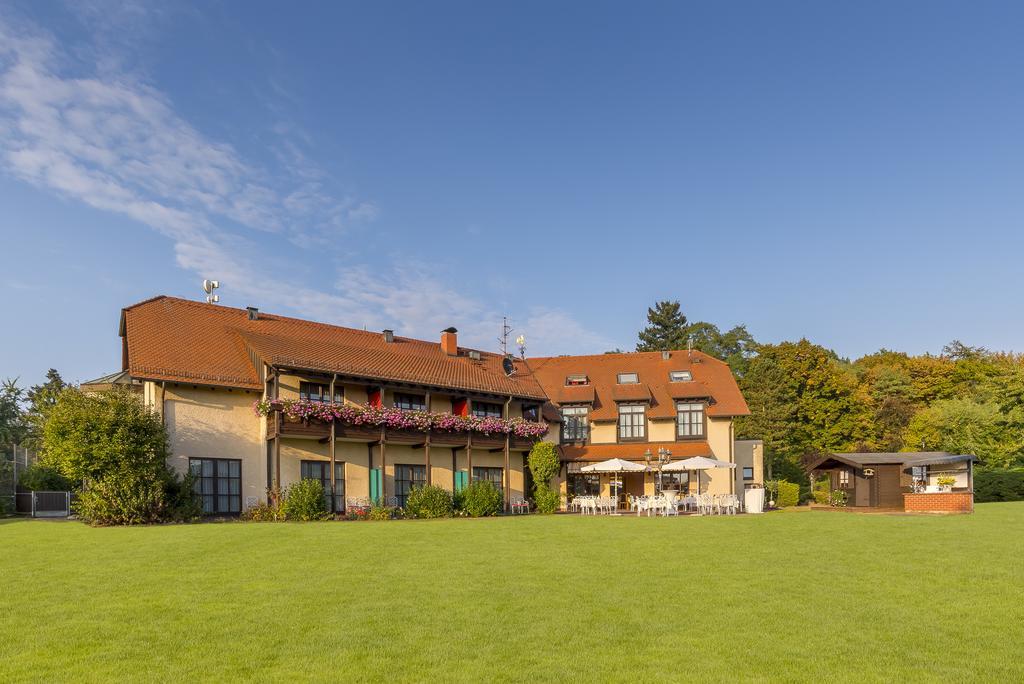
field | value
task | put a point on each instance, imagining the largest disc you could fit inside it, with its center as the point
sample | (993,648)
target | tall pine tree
(666,329)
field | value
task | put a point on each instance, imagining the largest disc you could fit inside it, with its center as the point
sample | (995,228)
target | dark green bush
(128,498)
(789,494)
(480,499)
(998,484)
(304,501)
(40,478)
(547,500)
(430,501)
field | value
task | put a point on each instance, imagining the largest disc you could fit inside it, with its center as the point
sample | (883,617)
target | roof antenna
(503,339)
(689,347)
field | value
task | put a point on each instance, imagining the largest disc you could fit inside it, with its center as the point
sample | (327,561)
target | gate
(45,504)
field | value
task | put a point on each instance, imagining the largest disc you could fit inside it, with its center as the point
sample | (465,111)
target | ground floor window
(492,475)
(748,473)
(672,482)
(584,484)
(843,479)
(218,483)
(407,477)
(321,470)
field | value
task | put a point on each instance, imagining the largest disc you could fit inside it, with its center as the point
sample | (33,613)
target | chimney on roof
(450,341)
(666,355)
(389,335)
(254,313)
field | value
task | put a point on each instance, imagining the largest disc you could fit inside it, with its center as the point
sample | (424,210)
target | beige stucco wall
(215,423)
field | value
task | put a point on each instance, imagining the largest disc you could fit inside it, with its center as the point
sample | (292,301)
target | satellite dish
(521,340)
(508,366)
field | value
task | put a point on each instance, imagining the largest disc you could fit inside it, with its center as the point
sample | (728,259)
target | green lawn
(786,596)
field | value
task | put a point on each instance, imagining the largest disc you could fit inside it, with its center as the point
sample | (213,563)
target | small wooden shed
(886,480)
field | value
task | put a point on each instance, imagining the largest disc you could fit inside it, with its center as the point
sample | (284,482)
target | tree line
(806,400)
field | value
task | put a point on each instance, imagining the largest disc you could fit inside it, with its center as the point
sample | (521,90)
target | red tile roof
(184,341)
(711,378)
(573,394)
(634,451)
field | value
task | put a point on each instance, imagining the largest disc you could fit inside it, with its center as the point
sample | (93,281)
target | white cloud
(104,137)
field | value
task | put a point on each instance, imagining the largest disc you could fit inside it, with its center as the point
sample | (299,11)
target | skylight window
(627,378)
(576,380)
(680,376)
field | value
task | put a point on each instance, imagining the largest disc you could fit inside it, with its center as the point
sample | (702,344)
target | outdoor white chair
(671,504)
(520,506)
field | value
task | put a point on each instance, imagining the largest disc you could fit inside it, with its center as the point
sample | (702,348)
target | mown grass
(815,596)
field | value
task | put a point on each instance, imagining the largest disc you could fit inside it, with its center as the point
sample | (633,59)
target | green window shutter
(461,477)
(375,485)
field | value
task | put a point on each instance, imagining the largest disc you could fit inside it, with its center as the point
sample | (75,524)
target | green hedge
(789,494)
(998,484)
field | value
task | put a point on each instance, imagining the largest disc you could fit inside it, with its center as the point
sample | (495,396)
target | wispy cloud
(101,135)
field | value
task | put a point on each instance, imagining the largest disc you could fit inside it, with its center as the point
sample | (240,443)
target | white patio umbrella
(698,463)
(614,465)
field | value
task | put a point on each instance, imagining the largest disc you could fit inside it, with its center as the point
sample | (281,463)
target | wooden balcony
(314,429)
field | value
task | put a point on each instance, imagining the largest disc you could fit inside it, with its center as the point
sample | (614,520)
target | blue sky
(847,172)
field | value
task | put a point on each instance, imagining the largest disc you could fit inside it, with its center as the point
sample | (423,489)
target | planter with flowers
(945,482)
(400,421)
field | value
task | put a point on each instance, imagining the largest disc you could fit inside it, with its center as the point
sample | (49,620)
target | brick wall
(938,502)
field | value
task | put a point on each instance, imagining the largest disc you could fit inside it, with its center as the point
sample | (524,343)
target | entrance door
(862,491)
(632,484)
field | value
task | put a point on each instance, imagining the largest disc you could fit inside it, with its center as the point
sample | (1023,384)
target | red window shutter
(374,398)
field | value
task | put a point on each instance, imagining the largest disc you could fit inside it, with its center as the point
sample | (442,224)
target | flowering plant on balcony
(399,419)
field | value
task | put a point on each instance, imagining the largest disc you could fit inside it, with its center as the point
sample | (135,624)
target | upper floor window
(632,421)
(627,378)
(483,409)
(315,391)
(581,379)
(680,376)
(531,412)
(689,420)
(410,402)
(575,423)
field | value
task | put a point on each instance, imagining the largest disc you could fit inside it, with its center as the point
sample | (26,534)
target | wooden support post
(383,478)
(426,446)
(507,469)
(334,488)
(469,458)
(277,440)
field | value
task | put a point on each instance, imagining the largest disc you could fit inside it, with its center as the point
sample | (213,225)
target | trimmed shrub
(789,494)
(304,501)
(480,499)
(430,501)
(998,484)
(40,478)
(546,499)
(543,462)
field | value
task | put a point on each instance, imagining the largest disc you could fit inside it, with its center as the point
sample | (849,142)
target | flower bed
(399,419)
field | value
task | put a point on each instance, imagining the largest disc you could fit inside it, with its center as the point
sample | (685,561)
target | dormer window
(576,380)
(680,376)
(627,378)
